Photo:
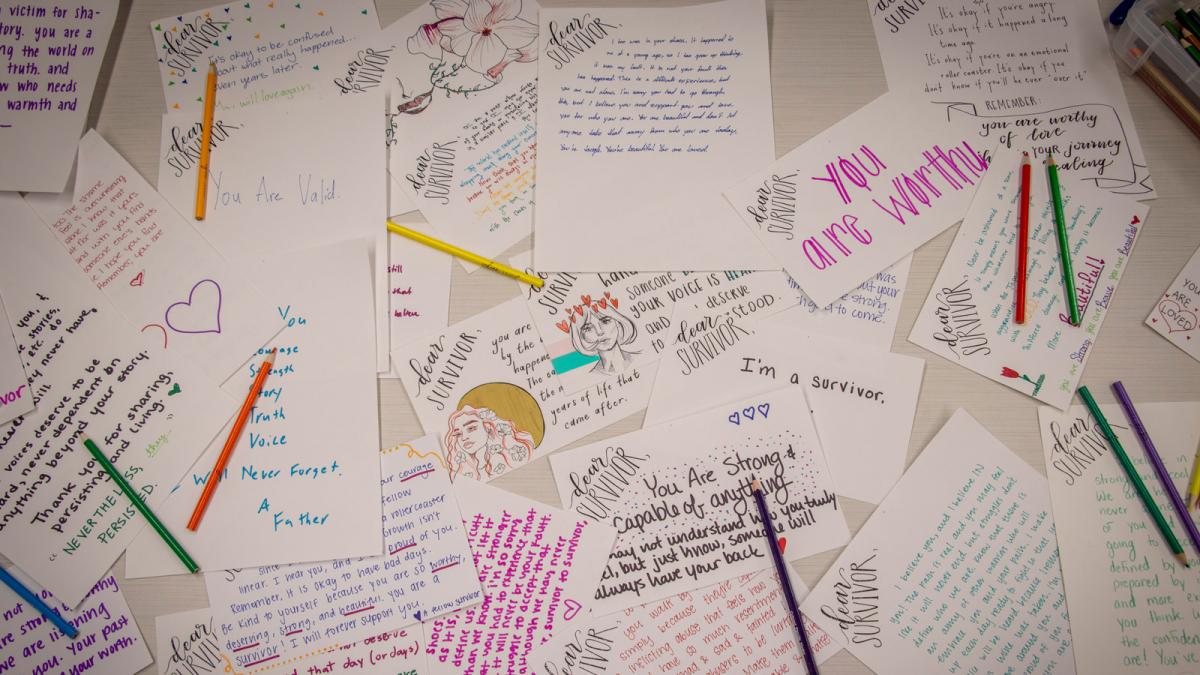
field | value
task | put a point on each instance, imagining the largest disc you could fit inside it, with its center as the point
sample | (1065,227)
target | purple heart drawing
(192,315)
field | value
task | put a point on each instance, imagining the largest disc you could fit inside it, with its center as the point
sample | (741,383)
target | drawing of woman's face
(472,435)
(602,331)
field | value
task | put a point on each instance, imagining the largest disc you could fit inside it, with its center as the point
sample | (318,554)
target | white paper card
(488,388)
(1175,317)
(418,285)
(858,197)
(269,194)
(863,401)
(163,276)
(50,56)
(16,398)
(644,115)
(679,496)
(968,317)
(1133,606)
(255,46)
(597,325)
(737,623)
(538,566)
(189,643)
(1024,74)
(957,570)
(108,642)
(869,314)
(278,613)
(62,518)
(302,483)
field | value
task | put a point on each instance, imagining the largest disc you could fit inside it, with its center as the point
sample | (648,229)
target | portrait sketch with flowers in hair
(495,429)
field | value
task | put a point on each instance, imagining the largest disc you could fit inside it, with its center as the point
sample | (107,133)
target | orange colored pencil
(210,101)
(210,485)
(1023,243)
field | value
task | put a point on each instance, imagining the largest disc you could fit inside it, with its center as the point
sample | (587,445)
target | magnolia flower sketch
(471,44)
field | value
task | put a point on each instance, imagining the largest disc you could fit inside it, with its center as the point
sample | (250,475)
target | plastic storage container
(1143,31)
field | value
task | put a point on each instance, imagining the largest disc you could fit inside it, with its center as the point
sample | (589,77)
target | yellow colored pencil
(210,101)
(457,252)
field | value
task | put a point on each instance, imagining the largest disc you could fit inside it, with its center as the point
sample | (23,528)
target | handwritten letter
(256,45)
(1134,608)
(61,517)
(538,566)
(16,398)
(1177,315)
(644,116)
(968,316)
(277,613)
(50,56)
(109,640)
(957,570)
(1034,74)
(487,386)
(679,496)
(858,197)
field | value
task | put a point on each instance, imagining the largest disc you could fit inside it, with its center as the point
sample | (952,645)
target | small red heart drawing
(614,303)
(137,281)
(607,294)
(595,308)
(603,303)
(587,299)
(782,544)
(572,318)
(564,326)
(1135,220)
(578,309)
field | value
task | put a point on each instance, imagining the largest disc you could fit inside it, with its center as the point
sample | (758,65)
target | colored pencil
(1178,35)
(1023,236)
(1164,476)
(141,506)
(210,102)
(1127,464)
(1188,36)
(810,661)
(1064,247)
(214,477)
(457,252)
(1194,486)
(36,602)
(1160,83)
(1189,20)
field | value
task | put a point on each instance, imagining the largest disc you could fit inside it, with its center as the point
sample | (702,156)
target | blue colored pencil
(36,602)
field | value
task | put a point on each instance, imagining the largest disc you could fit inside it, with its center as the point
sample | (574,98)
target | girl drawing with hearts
(600,329)
(481,445)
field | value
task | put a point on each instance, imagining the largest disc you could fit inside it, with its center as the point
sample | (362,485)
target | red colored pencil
(1023,243)
(210,485)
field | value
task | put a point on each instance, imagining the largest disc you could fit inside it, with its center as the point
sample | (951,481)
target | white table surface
(824,65)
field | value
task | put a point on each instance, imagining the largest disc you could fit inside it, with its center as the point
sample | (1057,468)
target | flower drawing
(470,44)
(1005,371)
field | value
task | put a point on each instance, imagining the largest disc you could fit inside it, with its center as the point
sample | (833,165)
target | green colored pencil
(1189,20)
(1064,247)
(1147,499)
(1176,33)
(141,506)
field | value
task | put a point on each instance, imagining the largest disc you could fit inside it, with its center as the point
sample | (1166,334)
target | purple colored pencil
(1163,476)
